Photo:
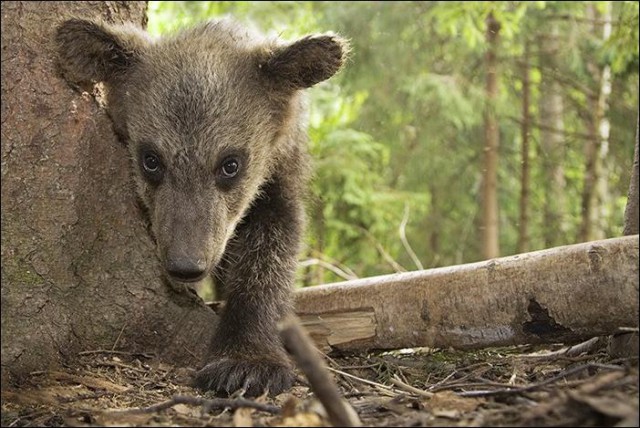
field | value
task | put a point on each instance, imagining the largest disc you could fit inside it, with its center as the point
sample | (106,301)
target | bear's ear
(94,51)
(306,62)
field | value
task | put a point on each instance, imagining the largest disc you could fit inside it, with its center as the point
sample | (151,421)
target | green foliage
(350,196)
(621,50)
(401,128)
(274,17)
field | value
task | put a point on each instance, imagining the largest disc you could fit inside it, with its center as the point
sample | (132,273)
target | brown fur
(194,101)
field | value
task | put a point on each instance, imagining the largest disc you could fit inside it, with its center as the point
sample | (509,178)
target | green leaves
(402,123)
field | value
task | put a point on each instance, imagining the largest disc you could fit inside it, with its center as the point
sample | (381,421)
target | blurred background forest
(458,131)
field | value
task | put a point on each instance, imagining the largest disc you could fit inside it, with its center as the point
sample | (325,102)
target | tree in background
(595,195)
(552,135)
(490,235)
(525,175)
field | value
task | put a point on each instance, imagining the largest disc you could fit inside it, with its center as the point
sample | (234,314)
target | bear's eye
(150,162)
(152,167)
(230,168)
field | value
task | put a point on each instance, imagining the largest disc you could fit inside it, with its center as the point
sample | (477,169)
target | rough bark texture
(631,219)
(490,235)
(79,270)
(564,294)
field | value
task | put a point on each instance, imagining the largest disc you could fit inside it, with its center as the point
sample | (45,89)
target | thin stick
(119,336)
(571,351)
(299,345)
(106,351)
(400,384)
(405,242)
(382,389)
(368,382)
(210,404)
(545,382)
(334,262)
(335,269)
(387,257)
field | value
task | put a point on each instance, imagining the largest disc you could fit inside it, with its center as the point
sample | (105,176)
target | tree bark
(79,270)
(595,195)
(490,238)
(563,294)
(631,219)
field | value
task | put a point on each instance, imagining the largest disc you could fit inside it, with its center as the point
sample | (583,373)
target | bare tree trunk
(79,270)
(631,211)
(552,141)
(523,227)
(490,239)
(595,196)
(565,294)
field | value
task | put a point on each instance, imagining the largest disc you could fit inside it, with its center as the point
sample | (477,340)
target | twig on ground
(543,409)
(119,336)
(538,385)
(115,364)
(299,345)
(571,351)
(400,384)
(208,404)
(107,351)
(195,357)
(381,387)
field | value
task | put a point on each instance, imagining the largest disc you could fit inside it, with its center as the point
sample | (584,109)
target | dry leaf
(242,417)
(446,401)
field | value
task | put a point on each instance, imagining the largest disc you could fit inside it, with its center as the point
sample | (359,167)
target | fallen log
(559,295)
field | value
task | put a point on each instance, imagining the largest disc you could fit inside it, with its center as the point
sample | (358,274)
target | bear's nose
(186,269)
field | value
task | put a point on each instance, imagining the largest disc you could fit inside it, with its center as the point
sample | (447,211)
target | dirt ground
(515,386)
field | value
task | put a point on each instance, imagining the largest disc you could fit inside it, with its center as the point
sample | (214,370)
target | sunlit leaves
(402,123)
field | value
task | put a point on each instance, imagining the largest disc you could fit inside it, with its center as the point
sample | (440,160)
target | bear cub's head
(209,116)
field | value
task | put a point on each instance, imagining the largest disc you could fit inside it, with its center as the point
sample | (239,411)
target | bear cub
(214,119)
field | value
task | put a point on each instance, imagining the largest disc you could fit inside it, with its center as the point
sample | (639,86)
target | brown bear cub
(214,119)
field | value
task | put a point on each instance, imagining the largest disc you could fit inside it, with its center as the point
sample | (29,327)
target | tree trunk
(523,226)
(565,294)
(631,219)
(79,270)
(595,195)
(552,141)
(490,238)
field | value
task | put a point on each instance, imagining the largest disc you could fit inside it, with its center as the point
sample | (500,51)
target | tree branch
(299,345)
(403,238)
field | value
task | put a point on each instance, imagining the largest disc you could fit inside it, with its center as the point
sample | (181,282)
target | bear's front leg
(257,273)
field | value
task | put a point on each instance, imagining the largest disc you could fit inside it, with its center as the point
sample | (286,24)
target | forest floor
(512,386)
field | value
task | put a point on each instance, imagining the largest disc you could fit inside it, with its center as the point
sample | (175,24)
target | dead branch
(335,269)
(385,255)
(107,351)
(571,351)
(298,344)
(207,404)
(412,389)
(403,238)
(535,386)
(334,262)
(538,297)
